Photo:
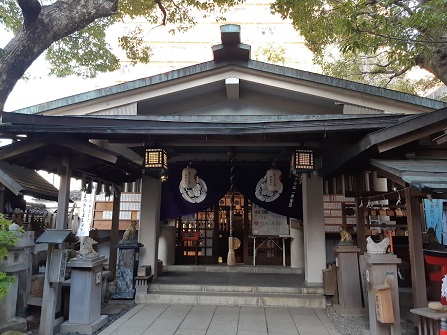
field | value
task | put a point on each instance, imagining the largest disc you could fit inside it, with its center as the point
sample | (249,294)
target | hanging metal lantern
(274,183)
(156,163)
(189,177)
(302,161)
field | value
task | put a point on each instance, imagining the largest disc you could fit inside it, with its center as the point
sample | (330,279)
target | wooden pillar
(114,233)
(63,198)
(360,220)
(414,223)
(361,237)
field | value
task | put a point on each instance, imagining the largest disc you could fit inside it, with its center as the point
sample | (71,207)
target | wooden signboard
(266,223)
(384,304)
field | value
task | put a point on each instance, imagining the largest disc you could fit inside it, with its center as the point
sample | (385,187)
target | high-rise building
(259,28)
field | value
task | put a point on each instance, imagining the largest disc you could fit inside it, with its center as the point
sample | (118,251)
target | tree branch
(30,10)
(163,10)
(402,5)
(401,38)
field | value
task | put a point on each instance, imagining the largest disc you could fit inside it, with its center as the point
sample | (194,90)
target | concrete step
(234,268)
(231,295)
(238,285)
(233,299)
(234,289)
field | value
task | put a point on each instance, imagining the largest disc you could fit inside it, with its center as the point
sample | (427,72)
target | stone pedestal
(85,296)
(128,255)
(380,270)
(348,278)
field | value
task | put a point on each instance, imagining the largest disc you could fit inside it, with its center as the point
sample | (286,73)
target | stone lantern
(16,264)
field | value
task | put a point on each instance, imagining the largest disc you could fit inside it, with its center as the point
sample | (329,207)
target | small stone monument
(128,252)
(85,291)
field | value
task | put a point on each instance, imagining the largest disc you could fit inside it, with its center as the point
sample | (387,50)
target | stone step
(232,299)
(234,268)
(234,289)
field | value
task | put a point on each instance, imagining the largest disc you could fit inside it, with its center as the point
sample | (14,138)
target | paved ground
(161,319)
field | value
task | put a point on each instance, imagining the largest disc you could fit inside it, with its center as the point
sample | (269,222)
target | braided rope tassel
(231,259)
(231,195)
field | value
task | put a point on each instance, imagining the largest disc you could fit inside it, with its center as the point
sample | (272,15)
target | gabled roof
(232,76)
(342,91)
(198,112)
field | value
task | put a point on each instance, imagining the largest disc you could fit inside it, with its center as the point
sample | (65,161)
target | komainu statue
(130,235)
(345,237)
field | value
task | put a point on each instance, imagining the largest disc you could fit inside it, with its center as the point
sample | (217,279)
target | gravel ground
(120,311)
(356,325)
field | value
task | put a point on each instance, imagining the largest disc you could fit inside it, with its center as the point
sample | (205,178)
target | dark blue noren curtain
(248,176)
(217,179)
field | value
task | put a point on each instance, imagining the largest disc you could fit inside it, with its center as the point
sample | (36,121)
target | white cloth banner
(86,212)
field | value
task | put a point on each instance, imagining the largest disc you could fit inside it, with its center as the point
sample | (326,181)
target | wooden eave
(407,130)
(45,153)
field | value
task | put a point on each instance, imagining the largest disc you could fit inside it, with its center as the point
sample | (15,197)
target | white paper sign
(267,223)
(86,212)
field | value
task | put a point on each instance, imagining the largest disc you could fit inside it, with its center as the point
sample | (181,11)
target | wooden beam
(114,234)
(21,147)
(232,86)
(406,138)
(414,222)
(89,149)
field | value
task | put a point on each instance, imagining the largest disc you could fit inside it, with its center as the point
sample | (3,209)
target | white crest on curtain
(195,194)
(262,192)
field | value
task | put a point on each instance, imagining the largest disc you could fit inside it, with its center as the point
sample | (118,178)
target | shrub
(7,239)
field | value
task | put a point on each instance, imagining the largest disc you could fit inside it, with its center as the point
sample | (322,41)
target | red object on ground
(435,257)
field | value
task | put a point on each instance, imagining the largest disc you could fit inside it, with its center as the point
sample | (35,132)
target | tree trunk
(54,22)
(435,62)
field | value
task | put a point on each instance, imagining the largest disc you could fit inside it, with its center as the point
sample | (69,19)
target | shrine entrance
(202,237)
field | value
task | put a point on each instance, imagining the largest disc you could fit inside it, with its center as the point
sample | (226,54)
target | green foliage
(92,52)
(86,53)
(10,15)
(7,239)
(271,53)
(371,70)
(135,48)
(397,30)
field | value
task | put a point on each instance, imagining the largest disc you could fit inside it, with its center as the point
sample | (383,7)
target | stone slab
(86,262)
(350,312)
(18,324)
(346,248)
(67,327)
